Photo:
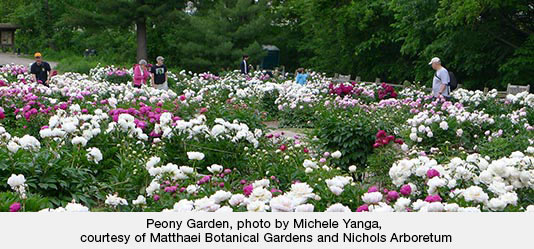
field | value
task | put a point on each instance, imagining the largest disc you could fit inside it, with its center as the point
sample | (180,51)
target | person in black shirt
(245,65)
(40,70)
(159,75)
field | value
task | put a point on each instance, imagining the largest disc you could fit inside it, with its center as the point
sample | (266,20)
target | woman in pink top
(141,74)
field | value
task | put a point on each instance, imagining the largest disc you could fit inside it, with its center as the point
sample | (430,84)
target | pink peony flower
(372,189)
(15,207)
(363,208)
(406,190)
(156,197)
(392,195)
(433,198)
(247,190)
(432,173)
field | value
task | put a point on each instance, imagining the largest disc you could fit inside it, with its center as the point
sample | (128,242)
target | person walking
(40,70)
(441,80)
(159,74)
(141,74)
(302,76)
(245,65)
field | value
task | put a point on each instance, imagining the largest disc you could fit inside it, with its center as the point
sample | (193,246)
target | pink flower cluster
(383,139)
(118,72)
(391,195)
(341,89)
(386,91)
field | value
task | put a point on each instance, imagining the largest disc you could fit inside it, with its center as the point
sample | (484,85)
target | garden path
(8,58)
(274,127)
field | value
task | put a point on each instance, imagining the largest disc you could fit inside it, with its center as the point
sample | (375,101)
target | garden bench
(341,78)
(515,89)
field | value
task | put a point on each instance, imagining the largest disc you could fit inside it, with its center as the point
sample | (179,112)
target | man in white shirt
(440,83)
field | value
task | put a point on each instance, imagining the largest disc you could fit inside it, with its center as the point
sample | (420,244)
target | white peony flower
(352,168)
(94,154)
(281,204)
(444,125)
(336,154)
(475,194)
(141,200)
(338,207)
(215,168)
(257,206)
(115,201)
(374,197)
(16,180)
(304,208)
(236,200)
(195,156)
(221,196)
(79,141)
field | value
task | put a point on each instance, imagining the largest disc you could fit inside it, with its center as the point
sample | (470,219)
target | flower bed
(90,144)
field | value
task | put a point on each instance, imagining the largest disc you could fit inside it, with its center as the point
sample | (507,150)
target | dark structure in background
(7,36)
(272,59)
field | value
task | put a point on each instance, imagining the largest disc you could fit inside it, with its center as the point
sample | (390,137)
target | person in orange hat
(40,70)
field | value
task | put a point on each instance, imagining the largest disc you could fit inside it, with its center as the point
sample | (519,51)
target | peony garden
(95,143)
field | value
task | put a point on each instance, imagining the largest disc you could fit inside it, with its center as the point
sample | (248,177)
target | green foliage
(504,146)
(215,39)
(32,203)
(380,161)
(349,131)
(76,64)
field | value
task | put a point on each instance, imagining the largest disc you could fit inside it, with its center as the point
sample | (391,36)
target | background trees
(487,43)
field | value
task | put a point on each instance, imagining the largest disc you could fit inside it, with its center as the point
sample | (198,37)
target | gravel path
(6,58)
(288,132)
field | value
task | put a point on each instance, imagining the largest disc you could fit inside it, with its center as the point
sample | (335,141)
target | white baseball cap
(434,60)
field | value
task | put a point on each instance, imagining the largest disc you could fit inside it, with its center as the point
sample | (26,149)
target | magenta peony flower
(156,197)
(433,198)
(372,189)
(363,208)
(283,147)
(221,184)
(432,173)
(247,190)
(15,207)
(392,195)
(406,190)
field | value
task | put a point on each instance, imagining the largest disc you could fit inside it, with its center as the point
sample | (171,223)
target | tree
(215,38)
(123,13)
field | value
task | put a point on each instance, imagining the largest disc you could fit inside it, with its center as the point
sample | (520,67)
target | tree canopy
(486,43)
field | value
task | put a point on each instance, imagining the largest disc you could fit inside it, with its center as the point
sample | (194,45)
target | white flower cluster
(473,97)
(337,183)
(492,183)
(115,201)
(70,207)
(235,132)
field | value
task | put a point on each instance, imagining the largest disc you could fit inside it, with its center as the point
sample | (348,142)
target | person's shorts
(164,86)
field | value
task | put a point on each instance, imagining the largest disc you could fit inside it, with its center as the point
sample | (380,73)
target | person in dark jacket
(245,65)
(40,70)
